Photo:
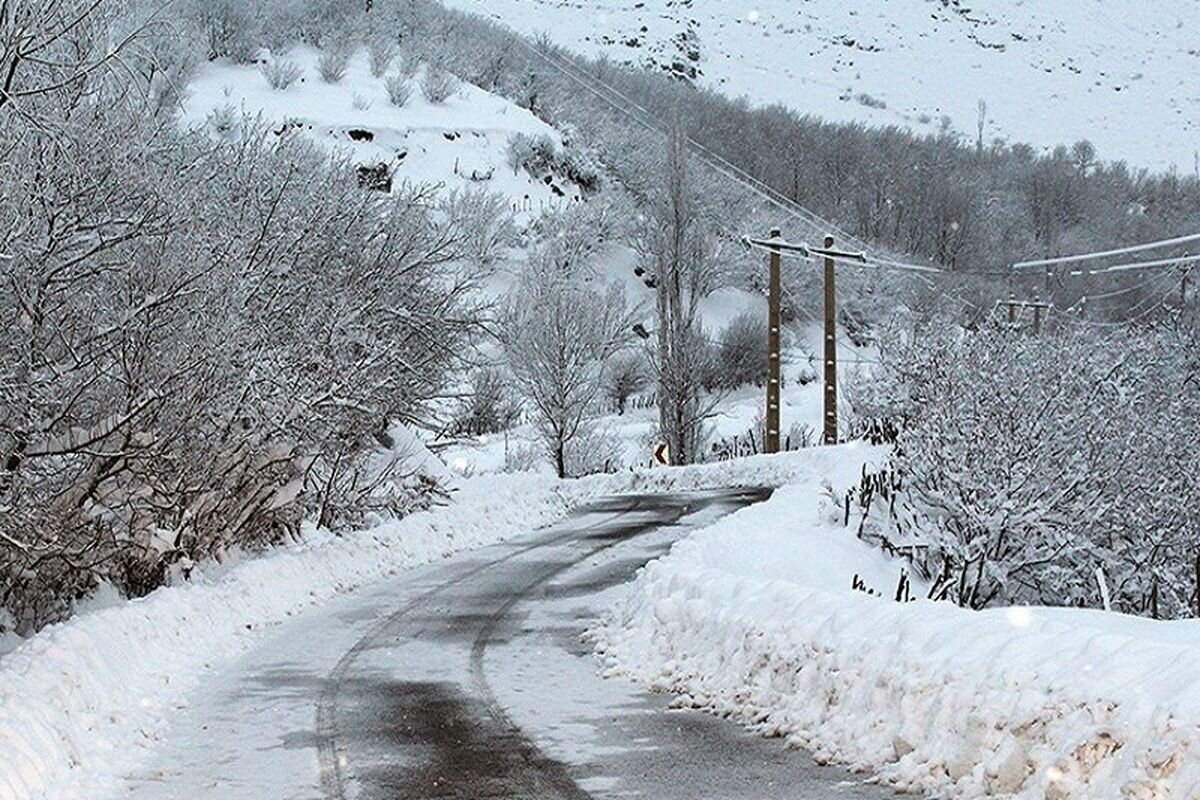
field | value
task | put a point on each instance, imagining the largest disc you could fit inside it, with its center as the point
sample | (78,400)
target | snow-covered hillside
(1120,73)
(459,144)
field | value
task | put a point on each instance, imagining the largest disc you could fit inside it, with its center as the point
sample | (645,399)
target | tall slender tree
(675,245)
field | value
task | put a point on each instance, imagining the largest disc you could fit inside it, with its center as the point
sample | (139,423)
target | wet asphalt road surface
(468,679)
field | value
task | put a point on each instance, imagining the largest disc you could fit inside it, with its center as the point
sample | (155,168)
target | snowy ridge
(85,701)
(456,145)
(753,618)
(1050,72)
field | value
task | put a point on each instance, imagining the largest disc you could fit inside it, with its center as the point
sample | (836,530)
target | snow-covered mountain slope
(1120,73)
(458,144)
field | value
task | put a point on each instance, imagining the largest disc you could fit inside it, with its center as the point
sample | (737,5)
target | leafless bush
(627,374)
(490,407)
(438,85)
(1030,461)
(229,29)
(334,61)
(742,352)
(281,73)
(596,449)
(381,51)
(224,119)
(399,89)
(232,363)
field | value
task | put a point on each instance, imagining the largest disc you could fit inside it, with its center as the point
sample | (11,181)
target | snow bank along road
(468,679)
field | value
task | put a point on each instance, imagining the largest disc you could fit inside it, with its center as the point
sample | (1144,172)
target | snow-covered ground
(459,144)
(755,618)
(1050,72)
(86,701)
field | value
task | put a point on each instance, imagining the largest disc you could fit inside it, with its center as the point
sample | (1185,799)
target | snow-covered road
(468,679)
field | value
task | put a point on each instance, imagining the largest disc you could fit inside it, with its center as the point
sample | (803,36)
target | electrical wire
(1140,312)
(622,103)
(1139,265)
(1138,248)
(1089,298)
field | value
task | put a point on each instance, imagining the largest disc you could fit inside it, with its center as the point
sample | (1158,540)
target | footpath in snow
(87,701)
(755,618)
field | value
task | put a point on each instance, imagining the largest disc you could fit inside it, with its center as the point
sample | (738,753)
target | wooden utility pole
(831,416)
(776,246)
(774,303)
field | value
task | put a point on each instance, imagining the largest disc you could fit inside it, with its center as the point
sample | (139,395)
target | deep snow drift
(1050,72)
(755,618)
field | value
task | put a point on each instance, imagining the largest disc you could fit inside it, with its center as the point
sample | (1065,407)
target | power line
(1088,298)
(1140,312)
(1139,265)
(622,104)
(1140,248)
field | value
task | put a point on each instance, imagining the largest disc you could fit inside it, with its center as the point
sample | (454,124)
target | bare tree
(59,48)
(627,375)
(558,332)
(677,248)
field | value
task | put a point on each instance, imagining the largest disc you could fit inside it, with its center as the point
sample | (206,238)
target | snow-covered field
(86,701)
(456,145)
(755,618)
(1050,72)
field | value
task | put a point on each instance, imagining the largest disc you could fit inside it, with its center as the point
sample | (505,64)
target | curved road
(468,679)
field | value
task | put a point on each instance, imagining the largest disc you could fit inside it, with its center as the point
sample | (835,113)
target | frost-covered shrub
(381,51)
(523,457)
(626,375)
(407,64)
(360,103)
(540,156)
(224,119)
(1031,461)
(596,449)
(488,226)
(537,155)
(281,73)
(438,85)
(229,29)
(334,61)
(582,167)
(399,90)
(182,433)
(742,352)
(490,407)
